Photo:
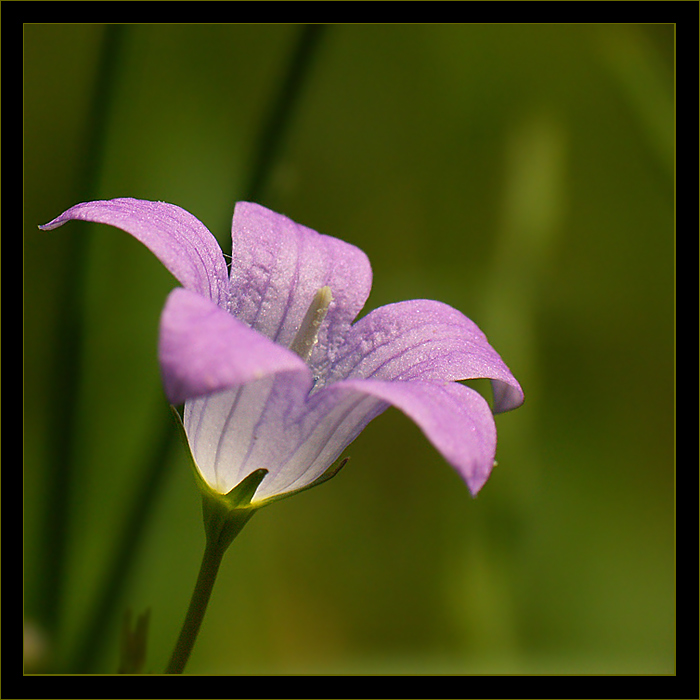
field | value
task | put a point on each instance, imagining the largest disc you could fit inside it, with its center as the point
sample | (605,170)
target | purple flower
(272,371)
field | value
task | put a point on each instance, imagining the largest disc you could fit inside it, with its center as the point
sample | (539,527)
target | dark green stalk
(282,109)
(69,343)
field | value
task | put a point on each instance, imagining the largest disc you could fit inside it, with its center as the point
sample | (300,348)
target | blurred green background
(521,173)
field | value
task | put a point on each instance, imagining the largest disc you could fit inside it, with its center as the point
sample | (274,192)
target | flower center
(307,335)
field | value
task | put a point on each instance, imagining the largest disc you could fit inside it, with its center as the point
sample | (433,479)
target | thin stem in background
(275,128)
(280,114)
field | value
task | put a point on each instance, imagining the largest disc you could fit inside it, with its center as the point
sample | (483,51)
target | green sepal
(328,474)
(226,514)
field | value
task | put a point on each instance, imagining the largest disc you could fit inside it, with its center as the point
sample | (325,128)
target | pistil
(307,335)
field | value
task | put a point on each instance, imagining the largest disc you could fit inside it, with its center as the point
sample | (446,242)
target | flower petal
(203,349)
(427,341)
(278,266)
(456,419)
(179,240)
(275,424)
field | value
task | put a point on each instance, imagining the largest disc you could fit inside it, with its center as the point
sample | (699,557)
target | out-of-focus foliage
(521,173)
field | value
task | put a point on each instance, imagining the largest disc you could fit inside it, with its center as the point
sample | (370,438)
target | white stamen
(307,335)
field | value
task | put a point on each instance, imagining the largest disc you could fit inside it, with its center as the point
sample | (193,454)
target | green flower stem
(222,525)
(198,606)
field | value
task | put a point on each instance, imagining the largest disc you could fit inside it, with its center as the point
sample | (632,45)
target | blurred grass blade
(68,356)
